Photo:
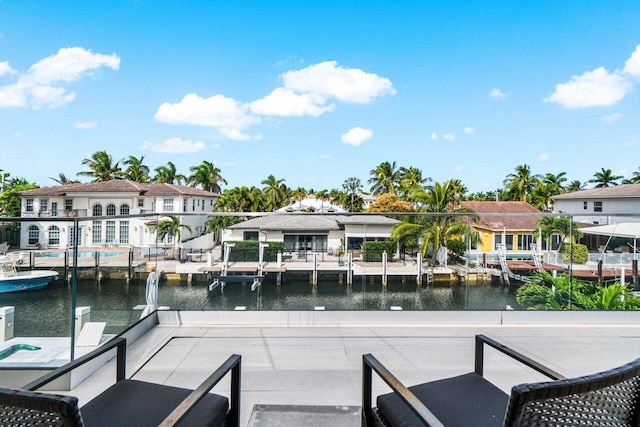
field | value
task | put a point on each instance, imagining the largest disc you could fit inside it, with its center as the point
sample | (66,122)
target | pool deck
(315,359)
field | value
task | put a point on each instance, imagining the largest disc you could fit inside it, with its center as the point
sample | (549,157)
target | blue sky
(314,93)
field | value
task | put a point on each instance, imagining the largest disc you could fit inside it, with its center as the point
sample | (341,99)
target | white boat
(12,280)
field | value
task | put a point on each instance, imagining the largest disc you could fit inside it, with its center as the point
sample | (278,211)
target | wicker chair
(610,398)
(127,402)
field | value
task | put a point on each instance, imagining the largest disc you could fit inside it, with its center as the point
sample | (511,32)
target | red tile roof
(524,216)
(119,186)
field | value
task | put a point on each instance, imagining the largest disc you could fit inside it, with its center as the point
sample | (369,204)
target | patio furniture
(608,398)
(127,402)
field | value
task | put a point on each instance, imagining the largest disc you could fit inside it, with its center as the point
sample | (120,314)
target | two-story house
(117,199)
(600,205)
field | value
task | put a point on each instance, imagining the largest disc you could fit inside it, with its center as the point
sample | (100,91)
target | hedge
(247,251)
(372,251)
(580,253)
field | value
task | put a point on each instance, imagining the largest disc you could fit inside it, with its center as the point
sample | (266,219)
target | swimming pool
(81,254)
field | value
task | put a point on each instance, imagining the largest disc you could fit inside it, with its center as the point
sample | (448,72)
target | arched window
(54,235)
(34,234)
(97,209)
(124,209)
(111,209)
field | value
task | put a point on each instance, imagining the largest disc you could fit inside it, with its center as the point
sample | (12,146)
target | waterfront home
(599,205)
(514,224)
(106,199)
(315,233)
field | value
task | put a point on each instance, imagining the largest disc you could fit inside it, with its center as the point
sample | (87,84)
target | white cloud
(593,88)
(227,115)
(42,85)
(469,131)
(612,118)
(449,137)
(325,157)
(357,136)
(5,68)
(285,102)
(345,84)
(632,66)
(434,136)
(85,125)
(458,168)
(497,93)
(174,146)
(543,157)
(634,141)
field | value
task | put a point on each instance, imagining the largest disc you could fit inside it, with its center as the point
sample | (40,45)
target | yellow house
(513,222)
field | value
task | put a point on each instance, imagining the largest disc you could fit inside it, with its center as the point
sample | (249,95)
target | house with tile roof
(313,232)
(106,208)
(607,205)
(514,224)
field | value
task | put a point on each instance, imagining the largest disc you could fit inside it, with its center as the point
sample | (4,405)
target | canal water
(47,312)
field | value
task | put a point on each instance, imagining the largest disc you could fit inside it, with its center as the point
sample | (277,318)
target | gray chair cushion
(138,403)
(465,400)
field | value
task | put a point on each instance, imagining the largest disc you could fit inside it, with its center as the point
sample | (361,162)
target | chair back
(604,399)
(20,408)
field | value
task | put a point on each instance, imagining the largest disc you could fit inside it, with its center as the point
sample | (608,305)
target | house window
(250,235)
(597,206)
(111,232)
(524,242)
(29,205)
(124,232)
(96,232)
(54,235)
(167,205)
(141,202)
(170,238)
(555,240)
(193,205)
(585,205)
(124,209)
(54,208)
(185,204)
(68,204)
(97,209)
(44,205)
(509,241)
(111,209)
(34,234)
(202,204)
(315,243)
(72,232)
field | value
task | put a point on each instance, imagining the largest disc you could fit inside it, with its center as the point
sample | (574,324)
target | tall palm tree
(353,186)
(63,180)
(275,192)
(433,230)
(136,170)
(101,167)
(215,224)
(384,178)
(322,195)
(605,178)
(170,227)
(575,185)
(411,179)
(207,176)
(299,194)
(168,174)
(520,184)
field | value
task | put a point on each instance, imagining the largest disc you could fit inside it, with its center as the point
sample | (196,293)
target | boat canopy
(629,230)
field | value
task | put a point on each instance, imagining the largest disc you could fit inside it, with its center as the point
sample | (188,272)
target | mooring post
(384,268)
(66,265)
(350,268)
(419,262)
(315,268)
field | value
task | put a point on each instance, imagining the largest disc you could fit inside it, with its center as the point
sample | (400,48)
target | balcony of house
(71,213)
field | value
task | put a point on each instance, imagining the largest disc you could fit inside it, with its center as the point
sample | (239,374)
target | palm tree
(215,224)
(520,184)
(605,178)
(352,186)
(275,192)
(322,195)
(63,180)
(410,180)
(556,182)
(207,176)
(575,185)
(299,194)
(136,170)
(433,230)
(101,167)
(170,227)
(636,178)
(384,178)
(168,174)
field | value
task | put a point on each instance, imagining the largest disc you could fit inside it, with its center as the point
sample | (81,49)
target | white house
(311,232)
(600,205)
(102,200)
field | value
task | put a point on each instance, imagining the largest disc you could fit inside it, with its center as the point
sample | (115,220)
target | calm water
(47,312)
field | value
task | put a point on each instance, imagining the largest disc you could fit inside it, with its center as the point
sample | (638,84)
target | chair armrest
(120,343)
(479,358)
(232,364)
(370,363)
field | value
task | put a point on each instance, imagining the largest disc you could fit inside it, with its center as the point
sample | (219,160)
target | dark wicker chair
(610,398)
(127,402)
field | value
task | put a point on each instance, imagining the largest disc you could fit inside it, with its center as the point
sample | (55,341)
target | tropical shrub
(580,253)
(248,251)
(458,247)
(372,251)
